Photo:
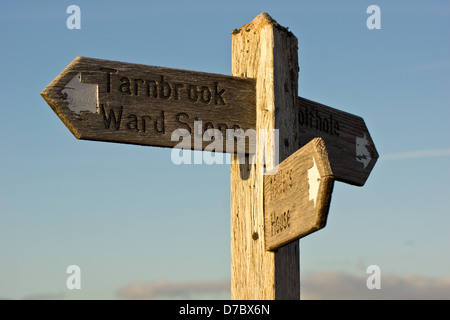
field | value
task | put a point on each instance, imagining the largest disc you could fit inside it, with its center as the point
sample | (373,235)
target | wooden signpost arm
(267,52)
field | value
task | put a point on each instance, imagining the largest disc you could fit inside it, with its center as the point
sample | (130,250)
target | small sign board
(350,148)
(140,104)
(297,197)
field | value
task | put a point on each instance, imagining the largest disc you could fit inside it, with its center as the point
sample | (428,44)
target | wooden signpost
(271,206)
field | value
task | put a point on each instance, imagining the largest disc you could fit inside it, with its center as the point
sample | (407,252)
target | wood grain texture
(297,196)
(144,105)
(267,52)
(351,150)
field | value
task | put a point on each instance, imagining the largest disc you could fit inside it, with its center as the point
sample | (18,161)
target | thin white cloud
(321,286)
(416,154)
(430,66)
(343,286)
(163,289)
(45,296)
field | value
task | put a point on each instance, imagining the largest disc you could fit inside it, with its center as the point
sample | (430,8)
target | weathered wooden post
(267,52)
(266,266)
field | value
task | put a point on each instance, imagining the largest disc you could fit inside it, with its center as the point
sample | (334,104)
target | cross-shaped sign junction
(271,205)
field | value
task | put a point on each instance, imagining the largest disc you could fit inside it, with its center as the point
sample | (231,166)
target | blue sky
(132,220)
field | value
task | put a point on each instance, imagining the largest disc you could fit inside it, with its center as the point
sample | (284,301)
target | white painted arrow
(81,96)
(314,182)
(362,150)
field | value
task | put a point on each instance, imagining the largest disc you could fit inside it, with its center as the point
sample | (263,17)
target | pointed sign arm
(351,150)
(297,197)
